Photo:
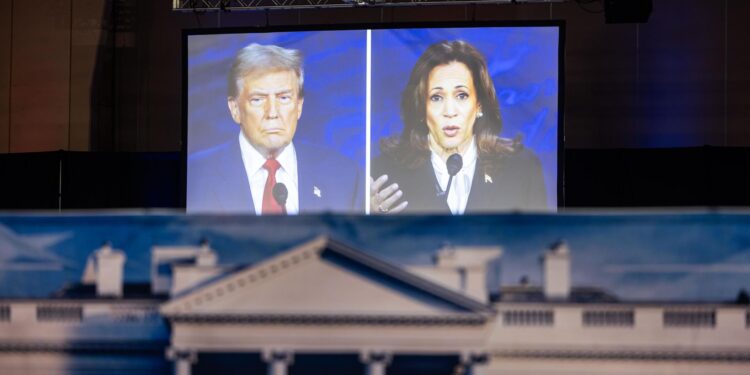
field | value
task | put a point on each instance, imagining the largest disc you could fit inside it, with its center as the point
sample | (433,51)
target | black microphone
(280,194)
(454,164)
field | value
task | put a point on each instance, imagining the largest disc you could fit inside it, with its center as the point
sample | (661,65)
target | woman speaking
(449,156)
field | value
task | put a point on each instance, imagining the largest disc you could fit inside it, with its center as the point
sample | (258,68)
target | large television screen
(459,119)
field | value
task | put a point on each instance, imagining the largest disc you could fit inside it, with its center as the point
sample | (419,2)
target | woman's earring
(480,114)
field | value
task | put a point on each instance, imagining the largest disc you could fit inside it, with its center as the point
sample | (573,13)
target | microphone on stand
(454,164)
(280,194)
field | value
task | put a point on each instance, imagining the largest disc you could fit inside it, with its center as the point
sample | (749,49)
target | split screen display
(375,121)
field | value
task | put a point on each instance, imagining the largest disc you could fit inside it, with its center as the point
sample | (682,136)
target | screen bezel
(560,24)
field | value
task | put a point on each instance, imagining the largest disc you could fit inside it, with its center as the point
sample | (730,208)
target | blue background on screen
(523,63)
(334,109)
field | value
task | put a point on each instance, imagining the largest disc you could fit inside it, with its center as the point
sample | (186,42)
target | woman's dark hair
(411,148)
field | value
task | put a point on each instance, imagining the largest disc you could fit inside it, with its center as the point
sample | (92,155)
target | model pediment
(321,278)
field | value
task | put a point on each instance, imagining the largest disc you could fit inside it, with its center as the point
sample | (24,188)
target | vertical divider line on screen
(368,135)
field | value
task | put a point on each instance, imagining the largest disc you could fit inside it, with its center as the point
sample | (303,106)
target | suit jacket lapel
(482,185)
(233,184)
(429,200)
(307,178)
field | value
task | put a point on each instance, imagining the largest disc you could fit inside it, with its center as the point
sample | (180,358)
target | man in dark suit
(265,98)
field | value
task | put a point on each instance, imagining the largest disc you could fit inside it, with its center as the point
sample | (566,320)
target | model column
(375,362)
(473,363)
(278,361)
(183,360)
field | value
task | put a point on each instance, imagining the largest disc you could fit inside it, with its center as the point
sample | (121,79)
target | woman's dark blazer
(516,184)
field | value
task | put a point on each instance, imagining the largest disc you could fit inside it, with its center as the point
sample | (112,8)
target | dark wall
(105,75)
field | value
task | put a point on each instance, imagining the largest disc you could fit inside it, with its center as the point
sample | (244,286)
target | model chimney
(206,256)
(108,266)
(556,271)
(175,268)
(473,270)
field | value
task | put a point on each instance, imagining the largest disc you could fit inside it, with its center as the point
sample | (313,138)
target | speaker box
(627,11)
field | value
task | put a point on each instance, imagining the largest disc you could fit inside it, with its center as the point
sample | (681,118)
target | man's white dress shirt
(257,175)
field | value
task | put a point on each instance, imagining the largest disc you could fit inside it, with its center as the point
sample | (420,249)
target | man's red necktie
(270,206)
